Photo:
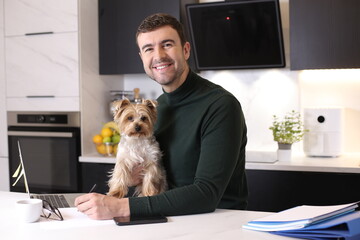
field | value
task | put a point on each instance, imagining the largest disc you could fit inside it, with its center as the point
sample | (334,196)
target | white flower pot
(284,152)
(284,155)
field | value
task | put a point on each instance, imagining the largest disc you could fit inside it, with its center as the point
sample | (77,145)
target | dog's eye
(143,118)
(130,118)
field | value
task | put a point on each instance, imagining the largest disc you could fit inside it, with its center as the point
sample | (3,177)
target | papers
(312,222)
(72,219)
(299,217)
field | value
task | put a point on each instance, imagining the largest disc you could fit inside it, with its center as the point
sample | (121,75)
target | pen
(93,187)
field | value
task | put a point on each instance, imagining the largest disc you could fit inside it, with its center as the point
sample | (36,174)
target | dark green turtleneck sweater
(202,134)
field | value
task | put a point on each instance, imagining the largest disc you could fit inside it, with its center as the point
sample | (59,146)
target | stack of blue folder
(345,227)
(312,222)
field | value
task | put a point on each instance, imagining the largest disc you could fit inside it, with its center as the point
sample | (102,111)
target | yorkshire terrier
(137,147)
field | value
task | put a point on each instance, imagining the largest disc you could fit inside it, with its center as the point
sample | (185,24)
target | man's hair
(158,20)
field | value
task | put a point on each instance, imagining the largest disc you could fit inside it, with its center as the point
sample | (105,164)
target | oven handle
(41,134)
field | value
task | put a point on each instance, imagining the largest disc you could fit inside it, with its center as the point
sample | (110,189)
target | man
(200,128)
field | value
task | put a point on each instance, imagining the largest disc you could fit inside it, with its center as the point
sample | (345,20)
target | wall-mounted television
(236,35)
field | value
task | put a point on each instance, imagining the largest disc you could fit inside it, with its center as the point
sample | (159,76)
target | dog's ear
(150,103)
(119,107)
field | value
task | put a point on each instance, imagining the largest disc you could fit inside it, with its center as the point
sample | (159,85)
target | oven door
(50,156)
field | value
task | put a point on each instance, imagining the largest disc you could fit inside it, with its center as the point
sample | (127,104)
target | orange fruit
(97,139)
(101,148)
(106,132)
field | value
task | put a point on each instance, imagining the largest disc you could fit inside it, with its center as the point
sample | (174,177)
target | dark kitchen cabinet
(324,34)
(95,173)
(274,191)
(118,22)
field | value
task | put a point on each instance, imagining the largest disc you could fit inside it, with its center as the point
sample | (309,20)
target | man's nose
(159,53)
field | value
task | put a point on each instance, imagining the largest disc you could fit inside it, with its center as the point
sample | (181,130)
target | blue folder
(345,227)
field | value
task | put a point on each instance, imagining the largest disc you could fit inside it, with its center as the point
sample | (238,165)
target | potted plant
(288,131)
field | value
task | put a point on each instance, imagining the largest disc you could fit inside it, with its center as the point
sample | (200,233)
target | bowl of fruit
(107,141)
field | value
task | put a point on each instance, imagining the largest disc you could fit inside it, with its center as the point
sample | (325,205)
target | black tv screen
(236,35)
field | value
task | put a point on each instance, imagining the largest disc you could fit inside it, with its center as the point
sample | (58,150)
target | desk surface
(222,224)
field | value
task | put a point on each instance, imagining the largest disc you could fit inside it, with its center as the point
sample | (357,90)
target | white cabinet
(36,16)
(4,174)
(46,64)
(42,55)
(4,162)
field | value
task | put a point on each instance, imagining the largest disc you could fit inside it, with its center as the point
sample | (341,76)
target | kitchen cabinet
(95,173)
(37,16)
(46,64)
(324,34)
(4,174)
(4,162)
(273,191)
(42,55)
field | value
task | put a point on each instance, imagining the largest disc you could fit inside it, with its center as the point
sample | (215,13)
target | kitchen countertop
(97,158)
(258,160)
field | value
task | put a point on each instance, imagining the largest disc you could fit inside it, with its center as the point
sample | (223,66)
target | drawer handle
(40,96)
(38,33)
(40,134)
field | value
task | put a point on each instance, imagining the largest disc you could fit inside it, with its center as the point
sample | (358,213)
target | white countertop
(221,224)
(97,158)
(347,163)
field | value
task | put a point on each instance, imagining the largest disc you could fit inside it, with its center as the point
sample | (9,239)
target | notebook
(57,200)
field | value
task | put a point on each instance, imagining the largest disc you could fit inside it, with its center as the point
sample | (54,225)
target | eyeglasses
(51,212)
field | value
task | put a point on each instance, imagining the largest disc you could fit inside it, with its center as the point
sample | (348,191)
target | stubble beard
(164,79)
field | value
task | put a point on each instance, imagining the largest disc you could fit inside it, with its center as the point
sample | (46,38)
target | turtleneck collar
(182,92)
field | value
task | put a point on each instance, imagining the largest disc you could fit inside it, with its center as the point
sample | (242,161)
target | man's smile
(162,66)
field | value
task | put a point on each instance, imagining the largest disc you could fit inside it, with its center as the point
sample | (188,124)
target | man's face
(163,56)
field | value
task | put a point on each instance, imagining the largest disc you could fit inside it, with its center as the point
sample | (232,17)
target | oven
(50,146)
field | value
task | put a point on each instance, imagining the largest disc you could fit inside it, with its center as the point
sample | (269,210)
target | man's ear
(140,55)
(186,50)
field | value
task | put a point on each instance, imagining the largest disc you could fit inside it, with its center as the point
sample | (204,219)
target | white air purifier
(326,131)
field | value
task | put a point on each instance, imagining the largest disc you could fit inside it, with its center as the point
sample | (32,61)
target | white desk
(222,224)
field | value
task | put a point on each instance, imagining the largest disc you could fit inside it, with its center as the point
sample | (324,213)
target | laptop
(64,200)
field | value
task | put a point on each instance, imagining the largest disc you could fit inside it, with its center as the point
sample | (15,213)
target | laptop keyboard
(58,201)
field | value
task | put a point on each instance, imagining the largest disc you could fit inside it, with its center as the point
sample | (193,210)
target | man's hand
(101,207)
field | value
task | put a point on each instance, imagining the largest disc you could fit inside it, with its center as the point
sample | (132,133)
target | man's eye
(148,49)
(167,45)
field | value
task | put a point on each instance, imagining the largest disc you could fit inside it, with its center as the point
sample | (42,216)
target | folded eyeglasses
(51,212)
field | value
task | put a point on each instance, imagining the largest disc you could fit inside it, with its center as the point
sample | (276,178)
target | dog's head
(135,119)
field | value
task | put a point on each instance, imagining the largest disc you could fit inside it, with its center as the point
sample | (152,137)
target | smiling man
(201,131)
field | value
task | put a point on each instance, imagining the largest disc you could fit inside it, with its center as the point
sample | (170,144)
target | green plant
(290,130)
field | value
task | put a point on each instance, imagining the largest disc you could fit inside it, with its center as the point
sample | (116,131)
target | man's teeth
(162,67)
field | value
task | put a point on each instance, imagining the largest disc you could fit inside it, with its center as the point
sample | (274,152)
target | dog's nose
(137,128)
